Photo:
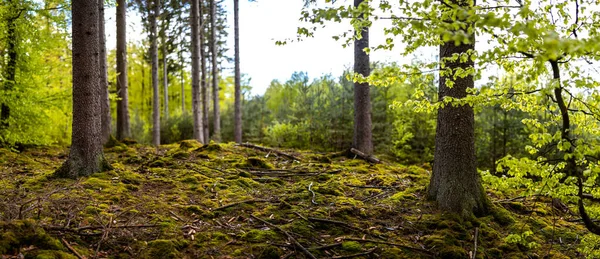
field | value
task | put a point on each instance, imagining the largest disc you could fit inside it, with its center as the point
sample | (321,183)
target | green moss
(180,155)
(351,246)
(190,143)
(267,252)
(259,236)
(502,216)
(166,249)
(21,233)
(51,254)
(453,252)
(256,162)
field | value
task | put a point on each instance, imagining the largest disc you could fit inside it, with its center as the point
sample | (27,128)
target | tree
(455,183)
(215,72)
(165,27)
(123,126)
(154,56)
(196,97)
(86,155)
(362,137)
(106,118)
(204,83)
(12,56)
(237,128)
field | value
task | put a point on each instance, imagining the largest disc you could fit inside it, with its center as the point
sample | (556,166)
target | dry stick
(420,250)
(294,241)
(265,149)
(364,156)
(72,249)
(371,186)
(475,246)
(325,247)
(356,255)
(241,202)
(344,224)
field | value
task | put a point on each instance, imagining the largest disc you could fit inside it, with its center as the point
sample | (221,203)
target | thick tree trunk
(86,155)
(106,119)
(455,183)
(10,70)
(196,98)
(237,131)
(363,135)
(215,72)
(155,83)
(123,127)
(204,83)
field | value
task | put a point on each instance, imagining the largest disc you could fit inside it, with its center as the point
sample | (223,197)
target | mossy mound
(188,200)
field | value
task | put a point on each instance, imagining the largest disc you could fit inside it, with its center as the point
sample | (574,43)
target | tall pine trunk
(215,72)
(362,139)
(155,83)
(237,130)
(455,183)
(204,83)
(86,155)
(196,98)
(106,119)
(123,127)
(164,61)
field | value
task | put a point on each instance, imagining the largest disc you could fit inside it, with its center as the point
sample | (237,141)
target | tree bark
(237,131)
(123,127)
(106,119)
(86,155)
(11,63)
(363,135)
(215,72)
(196,108)
(204,83)
(165,75)
(154,55)
(455,183)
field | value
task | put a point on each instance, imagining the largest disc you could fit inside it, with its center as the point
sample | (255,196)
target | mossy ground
(189,201)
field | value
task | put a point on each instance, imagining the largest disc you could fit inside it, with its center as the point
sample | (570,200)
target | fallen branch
(420,250)
(289,236)
(475,245)
(241,202)
(356,255)
(72,249)
(81,229)
(368,158)
(265,149)
(325,247)
(371,186)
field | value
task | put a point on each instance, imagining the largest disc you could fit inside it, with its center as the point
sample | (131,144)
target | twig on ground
(270,150)
(368,158)
(72,249)
(313,194)
(241,202)
(289,236)
(356,255)
(176,216)
(475,245)
(420,250)
(325,247)
(371,186)
(344,224)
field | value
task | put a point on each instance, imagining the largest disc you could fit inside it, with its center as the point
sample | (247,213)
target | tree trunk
(11,63)
(154,55)
(204,83)
(196,108)
(106,119)
(182,83)
(123,128)
(165,75)
(455,183)
(362,139)
(237,131)
(86,155)
(215,72)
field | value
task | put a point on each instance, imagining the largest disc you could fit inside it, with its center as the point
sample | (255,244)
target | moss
(453,252)
(161,249)
(23,233)
(256,162)
(351,246)
(180,155)
(190,143)
(51,254)
(502,216)
(268,252)
(259,236)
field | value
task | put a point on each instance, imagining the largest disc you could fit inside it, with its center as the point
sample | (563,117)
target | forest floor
(226,201)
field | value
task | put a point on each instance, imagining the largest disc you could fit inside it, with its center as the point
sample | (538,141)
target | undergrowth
(187,200)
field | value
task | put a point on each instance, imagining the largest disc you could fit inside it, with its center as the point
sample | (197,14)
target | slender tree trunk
(165,75)
(155,83)
(204,83)
(215,72)
(123,127)
(455,183)
(196,98)
(182,84)
(237,131)
(363,135)
(86,155)
(106,119)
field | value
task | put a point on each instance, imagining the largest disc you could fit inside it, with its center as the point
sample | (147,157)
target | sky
(264,22)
